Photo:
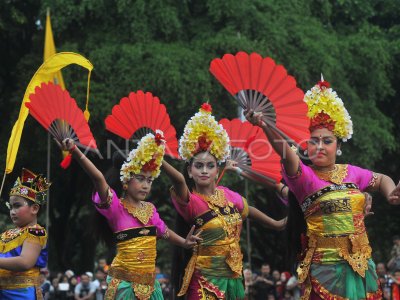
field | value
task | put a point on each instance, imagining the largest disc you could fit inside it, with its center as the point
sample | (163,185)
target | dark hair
(189,181)
(41,207)
(101,228)
(180,256)
(296,226)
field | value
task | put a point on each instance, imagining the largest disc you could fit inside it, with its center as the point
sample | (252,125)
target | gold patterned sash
(355,249)
(19,282)
(233,257)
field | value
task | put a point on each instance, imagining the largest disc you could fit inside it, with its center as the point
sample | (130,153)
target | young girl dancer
(23,249)
(215,268)
(136,223)
(336,256)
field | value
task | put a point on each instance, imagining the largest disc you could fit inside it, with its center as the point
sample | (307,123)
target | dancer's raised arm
(290,159)
(178,181)
(99,182)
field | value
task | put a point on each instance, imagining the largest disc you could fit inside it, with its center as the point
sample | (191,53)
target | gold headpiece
(326,110)
(31,186)
(203,133)
(147,156)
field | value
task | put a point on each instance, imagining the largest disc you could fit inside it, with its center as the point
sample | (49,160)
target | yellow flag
(50,49)
(44,74)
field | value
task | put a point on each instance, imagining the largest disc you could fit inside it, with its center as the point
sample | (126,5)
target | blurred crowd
(265,284)
(86,286)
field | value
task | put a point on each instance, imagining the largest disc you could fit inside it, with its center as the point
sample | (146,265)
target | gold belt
(142,278)
(353,248)
(354,242)
(18,282)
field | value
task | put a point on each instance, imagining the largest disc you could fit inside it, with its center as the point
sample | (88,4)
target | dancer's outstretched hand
(368,205)
(192,239)
(394,197)
(281,224)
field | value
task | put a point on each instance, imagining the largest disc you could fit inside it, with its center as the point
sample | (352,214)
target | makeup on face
(140,186)
(203,168)
(21,212)
(325,140)
(141,178)
(322,147)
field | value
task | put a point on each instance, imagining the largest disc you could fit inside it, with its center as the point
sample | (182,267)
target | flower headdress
(203,133)
(326,110)
(31,186)
(147,156)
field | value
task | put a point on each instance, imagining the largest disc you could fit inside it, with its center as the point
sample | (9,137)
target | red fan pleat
(140,113)
(58,113)
(261,85)
(262,159)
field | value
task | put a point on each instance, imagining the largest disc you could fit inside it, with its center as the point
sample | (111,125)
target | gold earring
(125,186)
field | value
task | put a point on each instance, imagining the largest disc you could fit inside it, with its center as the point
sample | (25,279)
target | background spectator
(264,284)
(100,277)
(69,273)
(248,284)
(44,285)
(73,282)
(102,263)
(85,290)
(294,286)
(394,262)
(281,285)
(164,282)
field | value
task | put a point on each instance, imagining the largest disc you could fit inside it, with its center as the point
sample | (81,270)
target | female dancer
(336,260)
(23,249)
(215,268)
(135,223)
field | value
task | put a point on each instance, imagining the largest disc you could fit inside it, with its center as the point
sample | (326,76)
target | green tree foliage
(165,47)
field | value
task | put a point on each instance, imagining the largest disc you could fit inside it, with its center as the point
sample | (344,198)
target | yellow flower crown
(147,156)
(203,133)
(326,109)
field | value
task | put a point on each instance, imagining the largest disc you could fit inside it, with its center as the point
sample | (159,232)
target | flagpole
(2,183)
(48,179)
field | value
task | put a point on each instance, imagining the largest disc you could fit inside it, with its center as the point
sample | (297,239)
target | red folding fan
(260,85)
(139,114)
(59,114)
(251,150)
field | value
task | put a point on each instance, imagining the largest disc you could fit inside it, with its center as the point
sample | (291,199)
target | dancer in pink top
(335,259)
(135,223)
